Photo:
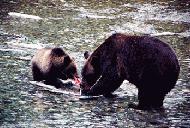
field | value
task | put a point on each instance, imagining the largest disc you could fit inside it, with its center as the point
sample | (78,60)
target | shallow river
(77,26)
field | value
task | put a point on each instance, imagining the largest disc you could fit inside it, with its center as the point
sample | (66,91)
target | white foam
(164,34)
(27,58)
(53,89)
(139,27)
(183,34)
(18,44)
(9,49)
(135,27)
(94,16)
(25,16)
(156,12)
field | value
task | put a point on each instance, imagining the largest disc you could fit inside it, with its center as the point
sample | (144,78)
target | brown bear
(52,64)
(147,62)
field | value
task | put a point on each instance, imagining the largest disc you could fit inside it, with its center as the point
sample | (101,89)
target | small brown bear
(52,64)
(147,62)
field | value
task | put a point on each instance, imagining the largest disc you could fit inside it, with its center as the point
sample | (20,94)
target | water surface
(77,26)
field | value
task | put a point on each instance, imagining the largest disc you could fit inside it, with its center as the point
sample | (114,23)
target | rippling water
(78,26)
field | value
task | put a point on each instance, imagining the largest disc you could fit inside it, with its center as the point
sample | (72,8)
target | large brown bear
(52,64)
(148,63)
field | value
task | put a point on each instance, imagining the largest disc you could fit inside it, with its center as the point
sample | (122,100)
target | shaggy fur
(49,64)
(147,62)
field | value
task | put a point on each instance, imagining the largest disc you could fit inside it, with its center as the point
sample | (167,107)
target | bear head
(68,69)
(90,71)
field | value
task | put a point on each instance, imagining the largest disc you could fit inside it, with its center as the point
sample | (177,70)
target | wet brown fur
(51,64)
(147,62)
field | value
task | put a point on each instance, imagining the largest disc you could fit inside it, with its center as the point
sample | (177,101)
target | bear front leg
(107,84)
(54,81)
(36,73)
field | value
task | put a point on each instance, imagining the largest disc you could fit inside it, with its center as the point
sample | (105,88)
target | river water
(77,26)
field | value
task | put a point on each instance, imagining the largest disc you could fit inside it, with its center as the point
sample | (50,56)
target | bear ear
(67,60)
(58,52)
(86,54)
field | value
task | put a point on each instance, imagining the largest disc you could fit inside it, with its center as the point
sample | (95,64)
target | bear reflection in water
(147,62)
